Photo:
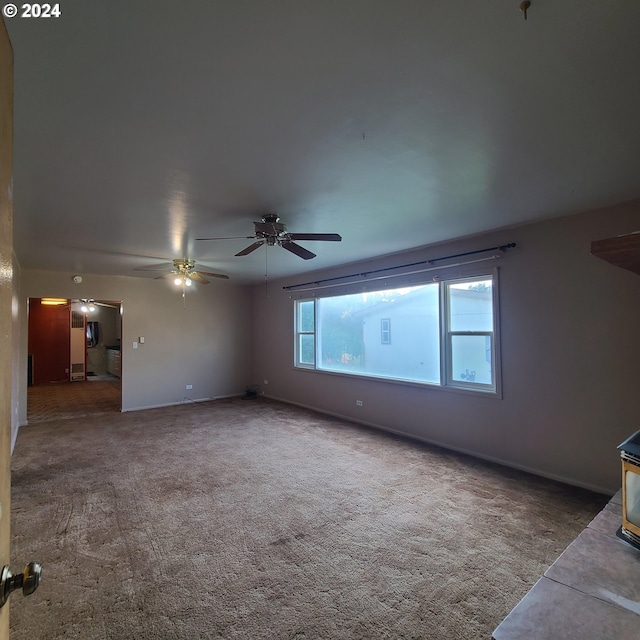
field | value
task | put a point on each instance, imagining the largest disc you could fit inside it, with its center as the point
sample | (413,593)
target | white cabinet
(113,362)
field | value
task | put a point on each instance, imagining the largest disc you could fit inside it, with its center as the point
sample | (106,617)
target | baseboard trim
(181,402)
(444,445)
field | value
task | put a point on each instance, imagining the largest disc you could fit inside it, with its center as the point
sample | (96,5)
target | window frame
(299,333)
(447,382)
(448,334)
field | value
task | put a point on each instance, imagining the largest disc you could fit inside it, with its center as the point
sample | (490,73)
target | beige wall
(207,344)
(570,357)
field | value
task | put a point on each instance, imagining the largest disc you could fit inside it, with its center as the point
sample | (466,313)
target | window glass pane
(349,338)
(471,359)
(306,348)
(632,493)
(305,316)
(471,306)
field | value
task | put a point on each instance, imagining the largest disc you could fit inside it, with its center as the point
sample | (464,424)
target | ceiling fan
(272,232)
(184,272)
(89,304)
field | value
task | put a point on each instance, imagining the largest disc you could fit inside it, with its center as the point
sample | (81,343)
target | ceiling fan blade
(250,248)
(213,275)
(195,275)
(298,250)
(327,237)
(166,275)
(229,238)
(158,267)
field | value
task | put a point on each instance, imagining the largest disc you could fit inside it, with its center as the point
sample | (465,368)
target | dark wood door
(49,341)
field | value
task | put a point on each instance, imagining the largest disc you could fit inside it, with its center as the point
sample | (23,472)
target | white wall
(207,344)
(570,356)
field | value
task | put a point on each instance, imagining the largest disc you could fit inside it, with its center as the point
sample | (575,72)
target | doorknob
(27,581)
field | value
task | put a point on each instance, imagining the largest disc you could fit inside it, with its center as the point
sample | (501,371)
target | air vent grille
(77,320)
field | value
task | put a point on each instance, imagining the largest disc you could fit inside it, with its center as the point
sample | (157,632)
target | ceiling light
(187,281)
(178,281)
(53,301)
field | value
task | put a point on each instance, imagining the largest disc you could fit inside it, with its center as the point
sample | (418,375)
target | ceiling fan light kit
(184,272)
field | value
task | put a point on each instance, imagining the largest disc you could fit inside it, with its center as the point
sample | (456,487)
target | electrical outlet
(266,381)
(359,403)
(189,386)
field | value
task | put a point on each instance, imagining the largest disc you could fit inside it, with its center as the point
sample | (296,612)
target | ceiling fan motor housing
(184,266)
(270,228)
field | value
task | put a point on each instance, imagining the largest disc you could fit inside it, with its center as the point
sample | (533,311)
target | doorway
(73,349)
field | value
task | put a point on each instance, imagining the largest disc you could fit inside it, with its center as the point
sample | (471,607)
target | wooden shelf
(621,251)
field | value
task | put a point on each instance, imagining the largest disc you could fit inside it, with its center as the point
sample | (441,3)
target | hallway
(67,400)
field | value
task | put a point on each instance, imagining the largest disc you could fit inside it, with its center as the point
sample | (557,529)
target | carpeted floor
(252,519)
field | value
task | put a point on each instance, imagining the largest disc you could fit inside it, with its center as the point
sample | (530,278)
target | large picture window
(444,333)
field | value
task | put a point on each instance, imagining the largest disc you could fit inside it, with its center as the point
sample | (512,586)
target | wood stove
(630,457)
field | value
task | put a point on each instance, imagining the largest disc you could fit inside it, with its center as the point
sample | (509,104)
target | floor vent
(77,371)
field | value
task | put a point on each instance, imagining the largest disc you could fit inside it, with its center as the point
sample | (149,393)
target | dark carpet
(255,519)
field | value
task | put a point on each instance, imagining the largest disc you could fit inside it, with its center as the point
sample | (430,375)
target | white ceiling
(142,125)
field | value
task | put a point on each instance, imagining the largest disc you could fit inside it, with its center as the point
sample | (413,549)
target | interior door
(6,294)
(49,341)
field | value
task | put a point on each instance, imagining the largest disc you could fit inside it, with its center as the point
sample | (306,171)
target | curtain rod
(365,274)
(397,275)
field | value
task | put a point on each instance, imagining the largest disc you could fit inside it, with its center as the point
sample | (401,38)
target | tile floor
(591,592)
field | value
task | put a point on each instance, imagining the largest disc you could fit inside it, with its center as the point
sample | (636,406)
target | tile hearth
(591,592)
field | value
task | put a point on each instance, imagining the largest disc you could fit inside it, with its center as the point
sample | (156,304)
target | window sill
(431,386)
